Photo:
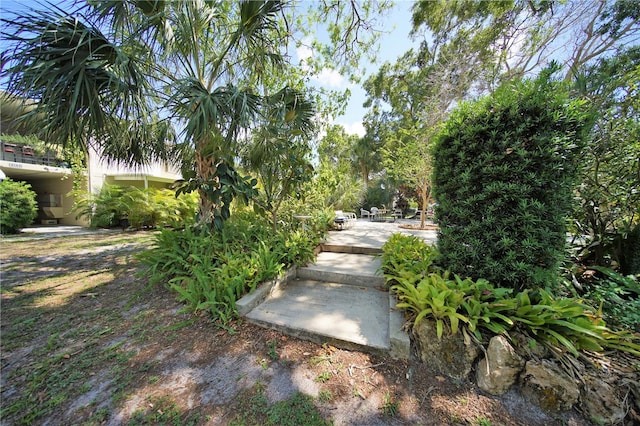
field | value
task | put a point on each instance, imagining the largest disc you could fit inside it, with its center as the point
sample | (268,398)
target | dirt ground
(86,340)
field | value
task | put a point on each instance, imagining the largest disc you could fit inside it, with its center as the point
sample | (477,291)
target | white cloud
(330,78)
(356,128)
(326,77)
(304,52)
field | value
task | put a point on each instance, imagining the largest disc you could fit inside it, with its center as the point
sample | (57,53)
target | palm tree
(366,156)
(121,75)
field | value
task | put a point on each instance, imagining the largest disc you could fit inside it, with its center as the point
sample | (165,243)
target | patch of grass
(483,421)
(181,324)
(390,407)
(323,377)
(319,359)
(68,335)
(273,353)
(263,363)
(254,409)
(162,411)
(325,395)
(17,247)
(53,380)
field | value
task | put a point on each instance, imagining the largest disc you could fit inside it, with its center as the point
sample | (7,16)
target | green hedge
(504,170)
(18,207)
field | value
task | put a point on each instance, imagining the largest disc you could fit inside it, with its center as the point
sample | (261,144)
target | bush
(211,271)
(378,194)
(563,324)
(617,296)
(117,206)
(18,207)
(504,172)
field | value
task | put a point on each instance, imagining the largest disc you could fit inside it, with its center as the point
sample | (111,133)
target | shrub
(504,172)
(140,208)
(618,296)
(378,194)
(211,271)
(18,207)
(564,324)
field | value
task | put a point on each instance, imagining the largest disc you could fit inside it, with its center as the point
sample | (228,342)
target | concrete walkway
(372,235)
(341,298)
(42,232)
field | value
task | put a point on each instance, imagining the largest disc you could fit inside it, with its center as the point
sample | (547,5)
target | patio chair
(374,213)
(344,220)
(365,213)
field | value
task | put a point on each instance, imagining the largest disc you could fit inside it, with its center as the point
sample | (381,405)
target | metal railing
(25,154)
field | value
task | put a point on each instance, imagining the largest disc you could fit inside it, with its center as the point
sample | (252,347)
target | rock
(601,402)
(548,386)
(449,355)
(501,367)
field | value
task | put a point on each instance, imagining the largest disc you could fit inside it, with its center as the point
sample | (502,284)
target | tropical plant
(18,207)
(607,223)
(335,180)
(116,206)
(379,193)
(408,252)
(562,324)
(617,295)
(281,163)
(431,296)
(210,272)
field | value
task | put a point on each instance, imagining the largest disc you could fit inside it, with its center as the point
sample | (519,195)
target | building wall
(156,175)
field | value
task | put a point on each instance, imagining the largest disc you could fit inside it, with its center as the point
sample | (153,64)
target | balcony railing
(26,154)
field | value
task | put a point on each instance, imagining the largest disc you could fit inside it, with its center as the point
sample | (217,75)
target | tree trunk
(205,170)
(426,194)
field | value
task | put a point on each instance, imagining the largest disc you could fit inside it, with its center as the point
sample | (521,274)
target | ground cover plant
(211,271)
(86,342)
(426,290)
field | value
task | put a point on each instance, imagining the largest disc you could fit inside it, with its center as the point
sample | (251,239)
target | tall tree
(413,97)
(366,155)
(104,74)
(513,38)
(609,193)
(281,161)
(335,177)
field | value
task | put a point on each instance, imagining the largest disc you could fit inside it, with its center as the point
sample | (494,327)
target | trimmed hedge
(504,170)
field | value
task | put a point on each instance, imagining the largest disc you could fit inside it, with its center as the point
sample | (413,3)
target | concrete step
(346,316)
(342,248)
(344,268)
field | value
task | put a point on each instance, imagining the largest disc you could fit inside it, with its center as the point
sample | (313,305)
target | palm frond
(288,110)
(222,112)
(85,87)
(259,34)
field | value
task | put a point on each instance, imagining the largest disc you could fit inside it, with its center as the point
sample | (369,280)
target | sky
(393,42)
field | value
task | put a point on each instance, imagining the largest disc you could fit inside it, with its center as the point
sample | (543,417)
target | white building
(52,179)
